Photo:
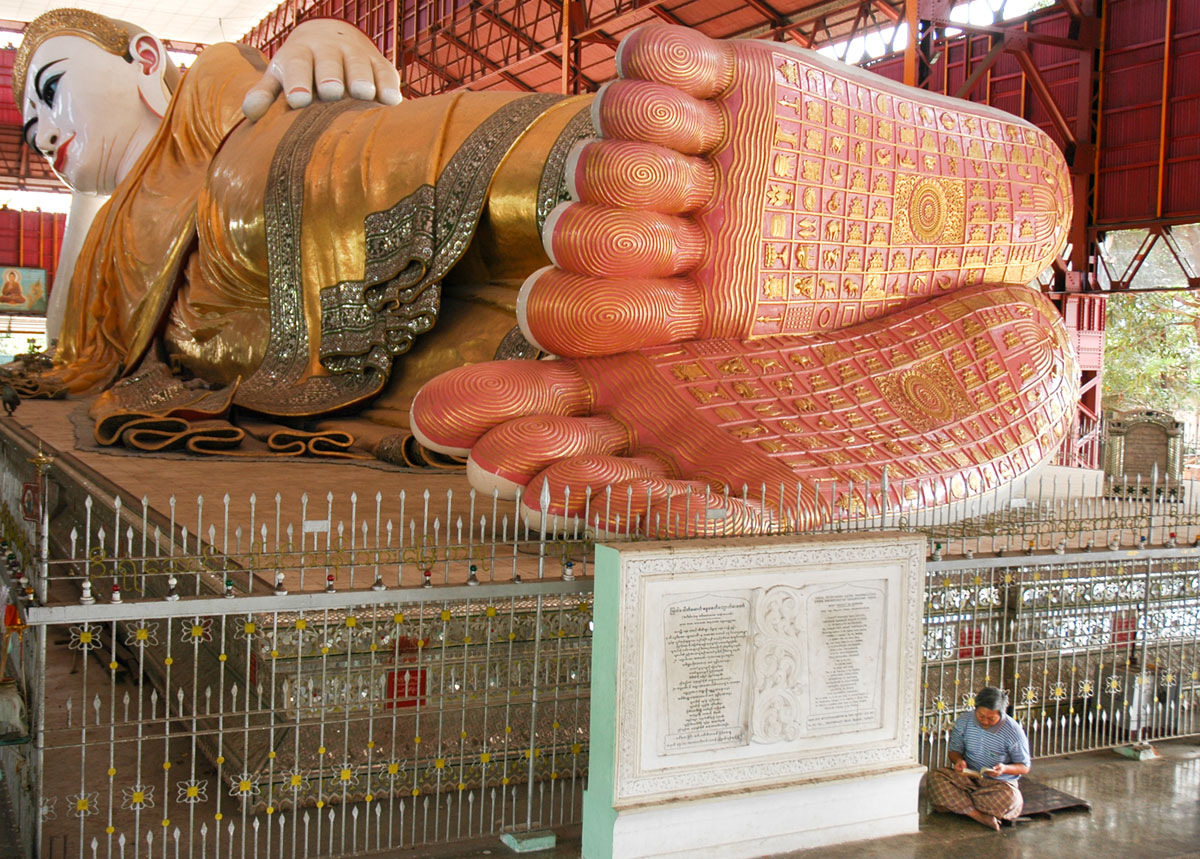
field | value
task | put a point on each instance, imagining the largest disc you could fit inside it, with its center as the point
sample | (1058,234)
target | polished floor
(1140,810)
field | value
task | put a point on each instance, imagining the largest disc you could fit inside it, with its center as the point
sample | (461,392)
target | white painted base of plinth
(778,821)
(753,696)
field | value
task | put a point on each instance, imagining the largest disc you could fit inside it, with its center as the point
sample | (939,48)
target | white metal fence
(1094,649)
(303,726)
(346,675)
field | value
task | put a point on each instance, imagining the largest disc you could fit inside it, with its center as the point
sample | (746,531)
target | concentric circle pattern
(654,113)
(455,409)
(619,243)
(642,176)
(518,449)
(927,211)
(575,315)
(679,57)
(924,393)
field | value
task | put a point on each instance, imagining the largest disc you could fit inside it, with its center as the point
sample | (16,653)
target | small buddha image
(10,291)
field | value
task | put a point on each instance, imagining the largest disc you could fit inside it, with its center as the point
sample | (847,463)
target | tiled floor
(1140,810)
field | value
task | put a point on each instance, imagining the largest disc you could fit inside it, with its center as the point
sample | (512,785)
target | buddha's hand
(331,57)
(749,189)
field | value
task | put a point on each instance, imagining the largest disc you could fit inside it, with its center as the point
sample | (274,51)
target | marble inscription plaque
(845,640)
(707,645)
(752,662)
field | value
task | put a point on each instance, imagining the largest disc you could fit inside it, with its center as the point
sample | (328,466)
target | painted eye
(28,132)
(50,89)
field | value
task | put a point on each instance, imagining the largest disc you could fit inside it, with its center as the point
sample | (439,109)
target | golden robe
(297,262)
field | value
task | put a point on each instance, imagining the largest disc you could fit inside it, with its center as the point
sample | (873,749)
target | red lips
(60,155)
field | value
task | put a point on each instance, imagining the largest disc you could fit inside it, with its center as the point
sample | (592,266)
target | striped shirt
(983,748)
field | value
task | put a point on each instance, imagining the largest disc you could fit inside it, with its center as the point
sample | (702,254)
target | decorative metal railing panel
(393,672)
(330,731)
(1095,650)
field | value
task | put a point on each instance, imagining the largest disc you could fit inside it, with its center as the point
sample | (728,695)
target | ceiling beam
(537,48)
(485,61)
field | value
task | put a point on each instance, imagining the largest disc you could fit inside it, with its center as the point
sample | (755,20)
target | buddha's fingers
(452,412)
(579,315)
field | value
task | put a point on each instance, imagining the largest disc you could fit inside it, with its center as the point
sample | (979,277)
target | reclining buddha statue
(745,263)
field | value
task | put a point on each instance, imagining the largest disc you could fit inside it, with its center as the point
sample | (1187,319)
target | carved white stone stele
(782,669)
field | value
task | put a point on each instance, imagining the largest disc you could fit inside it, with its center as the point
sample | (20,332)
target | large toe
(508,457)
(678,56)
(452,412)
(577,315)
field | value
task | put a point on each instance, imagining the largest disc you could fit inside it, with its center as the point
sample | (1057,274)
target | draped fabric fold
(303,264)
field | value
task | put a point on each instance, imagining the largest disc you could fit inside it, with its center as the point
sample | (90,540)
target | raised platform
(213,496)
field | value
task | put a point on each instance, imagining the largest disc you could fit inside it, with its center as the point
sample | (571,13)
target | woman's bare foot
(984,818)
(748,188)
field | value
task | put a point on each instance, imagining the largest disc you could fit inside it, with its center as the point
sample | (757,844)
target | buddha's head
(93,91)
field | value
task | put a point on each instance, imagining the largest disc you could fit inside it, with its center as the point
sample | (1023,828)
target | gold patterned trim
(404,450)
(366,327)
(97,29)
(279,386)
(552,189)
(514,347)
(410,247)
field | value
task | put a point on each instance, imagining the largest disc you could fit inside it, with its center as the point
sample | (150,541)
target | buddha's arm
(79,220)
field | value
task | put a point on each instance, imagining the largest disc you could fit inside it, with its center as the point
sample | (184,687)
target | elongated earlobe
(150,58)
(147,52)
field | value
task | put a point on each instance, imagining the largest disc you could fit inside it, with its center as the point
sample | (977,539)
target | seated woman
(989,753)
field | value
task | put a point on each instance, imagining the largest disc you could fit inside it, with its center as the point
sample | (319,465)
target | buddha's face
(90,112)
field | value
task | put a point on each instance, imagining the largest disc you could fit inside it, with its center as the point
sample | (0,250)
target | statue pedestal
(754,695)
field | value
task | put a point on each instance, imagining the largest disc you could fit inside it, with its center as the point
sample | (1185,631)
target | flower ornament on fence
(84,637)
(296,780)
(198,631)
(192,791)
(84,804)
(346,777)
(137,797)
(143,634)
(245,786)
(394,770)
